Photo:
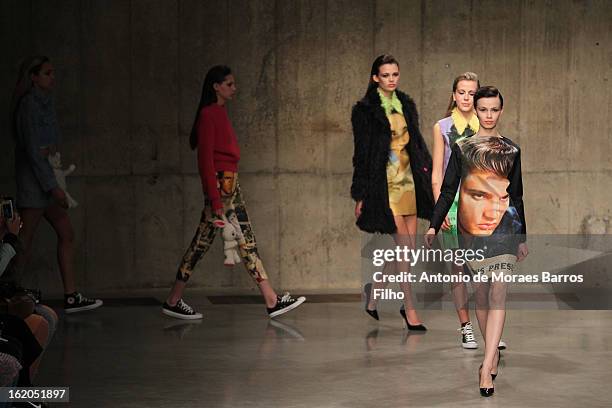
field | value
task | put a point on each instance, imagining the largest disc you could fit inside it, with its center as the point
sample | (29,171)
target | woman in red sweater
(218,155)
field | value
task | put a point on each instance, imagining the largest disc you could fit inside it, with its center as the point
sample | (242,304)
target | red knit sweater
(217,149)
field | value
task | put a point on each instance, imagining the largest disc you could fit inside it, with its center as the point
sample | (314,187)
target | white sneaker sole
(295,304)
(181,316)
(84,308)
(469,346)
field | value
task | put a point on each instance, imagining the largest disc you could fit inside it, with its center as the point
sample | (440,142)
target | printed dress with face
(487,173)
(400,183)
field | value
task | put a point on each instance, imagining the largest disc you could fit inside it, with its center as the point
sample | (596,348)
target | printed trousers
(234,209)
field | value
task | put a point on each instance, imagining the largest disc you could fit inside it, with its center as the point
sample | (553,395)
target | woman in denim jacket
(34,127)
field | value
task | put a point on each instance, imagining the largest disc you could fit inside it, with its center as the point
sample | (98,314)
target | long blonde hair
(466,76)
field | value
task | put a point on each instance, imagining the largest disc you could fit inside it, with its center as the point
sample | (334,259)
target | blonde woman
(35,129)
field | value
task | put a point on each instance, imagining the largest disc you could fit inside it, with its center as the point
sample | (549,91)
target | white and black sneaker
(76,302)
(468,341)
(181,311)
(285,304)
(502,345)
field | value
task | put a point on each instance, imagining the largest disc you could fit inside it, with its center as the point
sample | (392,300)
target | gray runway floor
(323,355)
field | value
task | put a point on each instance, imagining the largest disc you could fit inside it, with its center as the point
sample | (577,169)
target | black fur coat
(372,134)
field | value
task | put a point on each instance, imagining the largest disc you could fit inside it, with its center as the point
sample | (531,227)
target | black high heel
(417,327)
(368,291)
(485,392)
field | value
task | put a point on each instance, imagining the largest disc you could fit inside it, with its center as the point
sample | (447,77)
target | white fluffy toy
(232,238)
(60,175)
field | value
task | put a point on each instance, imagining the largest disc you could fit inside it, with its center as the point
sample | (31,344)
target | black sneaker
(285,304)
(468,341)
(75,302)
(181,311)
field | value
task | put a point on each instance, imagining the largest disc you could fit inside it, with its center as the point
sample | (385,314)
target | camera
(7,208)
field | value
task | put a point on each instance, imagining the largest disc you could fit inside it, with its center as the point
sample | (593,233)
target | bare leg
(494,327)
(389,269)
(405,236)
(460,296)
(176,292)
(40,329)
(481,293)
(267,292)
(50,317)
(496,320)
(59,220)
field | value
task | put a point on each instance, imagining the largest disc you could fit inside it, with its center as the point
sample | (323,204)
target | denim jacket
(36,124)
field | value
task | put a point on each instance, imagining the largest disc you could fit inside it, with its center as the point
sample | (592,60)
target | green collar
(390,104)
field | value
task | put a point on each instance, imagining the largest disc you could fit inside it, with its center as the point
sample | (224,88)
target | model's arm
(206,164)
(361,135)
(452,177)
(438,162)
(28,134)
(515,189)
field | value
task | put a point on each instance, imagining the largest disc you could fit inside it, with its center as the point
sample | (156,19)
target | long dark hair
(380,60)
(29,66)
(215,75)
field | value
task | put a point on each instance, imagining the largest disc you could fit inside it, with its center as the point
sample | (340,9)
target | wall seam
(374,29)
(326,135)
(276,172)
(85,238)
(422,55)
(571,71)
(522,73)
(131,137)
(179,109)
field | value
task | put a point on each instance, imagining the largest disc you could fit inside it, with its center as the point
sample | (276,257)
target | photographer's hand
(14,225)
(60,197)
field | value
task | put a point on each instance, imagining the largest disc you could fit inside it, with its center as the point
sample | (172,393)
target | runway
(322,355)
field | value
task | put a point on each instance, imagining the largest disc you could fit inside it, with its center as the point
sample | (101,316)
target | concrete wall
(129,77)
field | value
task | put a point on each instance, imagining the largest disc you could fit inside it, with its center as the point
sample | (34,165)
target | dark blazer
(372,134)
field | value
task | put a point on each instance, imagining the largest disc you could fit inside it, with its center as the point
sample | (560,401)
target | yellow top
(461,123)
